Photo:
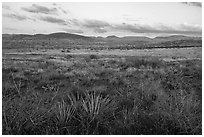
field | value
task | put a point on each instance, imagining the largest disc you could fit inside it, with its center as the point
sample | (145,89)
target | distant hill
(156,39)
(136,38)
(112,37)
(66,35)
(45,36)
(62,35)
(62,39)
(6,35)
(17,36)
(175,38)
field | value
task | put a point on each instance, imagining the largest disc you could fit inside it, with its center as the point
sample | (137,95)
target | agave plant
(94,105)
(64,112)
(95,113)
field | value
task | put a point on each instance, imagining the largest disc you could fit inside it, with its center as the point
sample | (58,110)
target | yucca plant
(94,105)
(64,113)
(96,112)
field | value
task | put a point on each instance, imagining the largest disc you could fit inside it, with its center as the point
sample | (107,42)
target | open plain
(100,90)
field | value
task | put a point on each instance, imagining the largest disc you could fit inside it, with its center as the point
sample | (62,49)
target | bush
(93,57)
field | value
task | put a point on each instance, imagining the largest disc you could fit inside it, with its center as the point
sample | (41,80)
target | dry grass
(95,96)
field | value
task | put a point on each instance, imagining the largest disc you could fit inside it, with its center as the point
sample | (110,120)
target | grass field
(102,93)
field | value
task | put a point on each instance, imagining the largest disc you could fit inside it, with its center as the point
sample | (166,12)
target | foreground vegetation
(101,95)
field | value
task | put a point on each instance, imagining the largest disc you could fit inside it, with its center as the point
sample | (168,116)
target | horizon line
(169,35)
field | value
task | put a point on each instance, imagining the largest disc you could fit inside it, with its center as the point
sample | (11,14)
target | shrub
(93,57)
(63,112)
(95,113)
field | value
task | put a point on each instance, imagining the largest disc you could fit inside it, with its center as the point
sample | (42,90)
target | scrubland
(96,94)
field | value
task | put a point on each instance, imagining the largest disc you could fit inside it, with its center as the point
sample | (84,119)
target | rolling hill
(61,39)
(62,35)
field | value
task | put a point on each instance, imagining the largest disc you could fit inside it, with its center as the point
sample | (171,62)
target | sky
(103,18)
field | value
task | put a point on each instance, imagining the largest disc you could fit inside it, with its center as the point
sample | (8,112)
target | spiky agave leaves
(95,105)
(64,112)
(95,113)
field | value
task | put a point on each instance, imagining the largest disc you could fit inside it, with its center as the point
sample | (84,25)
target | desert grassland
(149,91)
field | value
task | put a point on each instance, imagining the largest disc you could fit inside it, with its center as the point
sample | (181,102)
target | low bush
(93,57)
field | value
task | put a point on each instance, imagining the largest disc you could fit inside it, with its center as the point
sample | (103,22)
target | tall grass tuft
(64,112)
(96,111)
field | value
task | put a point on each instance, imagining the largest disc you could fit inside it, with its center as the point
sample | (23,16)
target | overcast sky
(103,19)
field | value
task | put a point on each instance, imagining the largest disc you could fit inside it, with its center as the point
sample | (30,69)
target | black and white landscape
(102,68)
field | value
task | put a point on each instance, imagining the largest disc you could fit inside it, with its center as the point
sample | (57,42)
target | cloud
(40,9)
(53,20)
(75,22)
(142,28)
(8,28)
(73,30)
(197,4)
(97,25)
(131,18)
(191,27)
(133,28)
(100,30)
(6,7)
(64,11)
(16,16)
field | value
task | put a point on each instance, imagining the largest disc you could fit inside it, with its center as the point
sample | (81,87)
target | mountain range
(62,35)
